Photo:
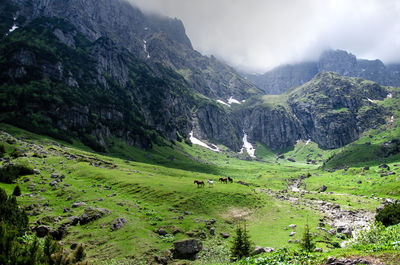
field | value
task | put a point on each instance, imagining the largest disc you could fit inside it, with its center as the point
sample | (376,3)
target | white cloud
(259,34)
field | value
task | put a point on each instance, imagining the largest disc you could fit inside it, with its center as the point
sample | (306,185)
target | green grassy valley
(154,190)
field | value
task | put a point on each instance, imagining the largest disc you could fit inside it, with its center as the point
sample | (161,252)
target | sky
(257,35)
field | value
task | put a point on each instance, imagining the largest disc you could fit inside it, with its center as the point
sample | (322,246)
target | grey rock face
(187,249)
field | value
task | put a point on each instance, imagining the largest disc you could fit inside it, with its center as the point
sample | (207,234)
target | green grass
(153,188)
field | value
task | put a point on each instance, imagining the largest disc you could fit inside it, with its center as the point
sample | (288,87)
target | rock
(344,230)
(91,214)
(359,182)
(318,250)
(54,183)
(366,168)
(292,233)
(59,233)
(292,226)
(269,249)
(323,188)
(212,231)
(78,204)
(74,246)
(118,224)
(384,166)
(73,220)
(225,235)
(37,172)
(258,250)
(42,230)
(187,249)
(162,232)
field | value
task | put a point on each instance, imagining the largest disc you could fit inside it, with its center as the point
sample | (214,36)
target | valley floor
(153,192)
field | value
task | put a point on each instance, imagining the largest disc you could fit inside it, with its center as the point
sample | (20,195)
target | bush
(390,215)
(10,172)
(241,243)
(377,235)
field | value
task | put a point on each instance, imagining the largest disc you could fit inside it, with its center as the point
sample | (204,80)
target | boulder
(224,235)
(162,232)
(323,188)
(118,224)
(258,250)
(78,204)
(292,233)
(91,214)
(73,220)
(42,230)
(187,249)
(292,226)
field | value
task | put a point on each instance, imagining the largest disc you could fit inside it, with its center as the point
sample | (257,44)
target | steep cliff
(56,81)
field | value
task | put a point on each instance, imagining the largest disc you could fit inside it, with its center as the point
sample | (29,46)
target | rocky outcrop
(215,124)
(334,110)
(274,127)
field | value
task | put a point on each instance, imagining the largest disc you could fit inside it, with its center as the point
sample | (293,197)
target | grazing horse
(199,183)
(210,182)
(223,180)
(230,179)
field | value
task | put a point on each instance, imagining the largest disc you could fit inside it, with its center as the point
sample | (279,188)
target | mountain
(282,78)
(102,69)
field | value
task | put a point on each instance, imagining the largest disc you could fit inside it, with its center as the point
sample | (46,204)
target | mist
(257,35)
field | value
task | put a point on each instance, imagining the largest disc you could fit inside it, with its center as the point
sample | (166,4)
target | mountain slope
(283,78)
(151,38)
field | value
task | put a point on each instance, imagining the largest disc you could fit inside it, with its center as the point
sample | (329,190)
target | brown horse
(230,179)
(223,180)
(199,183)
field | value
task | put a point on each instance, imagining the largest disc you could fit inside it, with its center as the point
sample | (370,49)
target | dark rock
(162,232)
(42,230)
(323,188)
(74,246)
(118,224)
(54,183)
(258,250)
(187,249)
(359,182)
(212,231)
(78,204)
(73,220)
(225,235)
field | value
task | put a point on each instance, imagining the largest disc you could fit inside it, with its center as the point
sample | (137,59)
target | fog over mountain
(256,35)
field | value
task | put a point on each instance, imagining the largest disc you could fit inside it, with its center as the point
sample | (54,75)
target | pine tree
(241,244)
(17,191)
(307,241)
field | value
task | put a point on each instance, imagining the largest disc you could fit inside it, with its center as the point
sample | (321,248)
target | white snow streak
(248,146)
(222,102)
(196,141)
(370,100)
(14,27)
(308,141)
(232,100)
(392,119)
(390,95)
(145,49)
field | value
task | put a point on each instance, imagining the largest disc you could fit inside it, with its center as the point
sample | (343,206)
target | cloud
(256,35)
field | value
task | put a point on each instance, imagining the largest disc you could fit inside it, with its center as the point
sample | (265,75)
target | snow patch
(390,95)
(248,146)
(232,100)
(196,141)
(222,102)
(308,141)
(370,100)
(14,27)
(145,49)
(392,119)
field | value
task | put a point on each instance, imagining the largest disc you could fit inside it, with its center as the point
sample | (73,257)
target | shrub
(17,191)
(306,242)
(390,215)
(241,243)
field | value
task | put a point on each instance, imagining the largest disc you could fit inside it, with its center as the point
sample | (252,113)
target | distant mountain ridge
(282,78)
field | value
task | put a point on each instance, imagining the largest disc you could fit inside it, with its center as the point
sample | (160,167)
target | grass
(154,188)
